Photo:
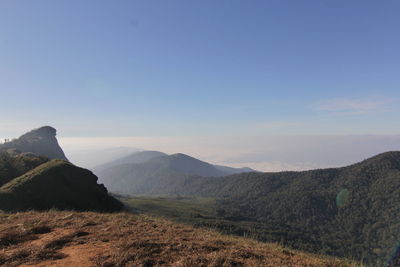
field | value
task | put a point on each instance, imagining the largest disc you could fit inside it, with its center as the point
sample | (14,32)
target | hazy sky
(264,153)
(168,68)
(269,84)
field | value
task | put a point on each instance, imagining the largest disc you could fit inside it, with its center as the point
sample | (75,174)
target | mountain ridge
(151,168)
(349,211)
(133,158)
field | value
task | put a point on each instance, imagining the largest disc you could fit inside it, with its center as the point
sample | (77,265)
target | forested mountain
(350,211)
(147,170)
(41,142)
(229,170)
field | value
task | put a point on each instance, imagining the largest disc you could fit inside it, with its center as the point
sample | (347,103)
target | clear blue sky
(125,68)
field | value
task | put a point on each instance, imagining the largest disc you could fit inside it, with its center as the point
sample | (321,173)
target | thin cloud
(355,106)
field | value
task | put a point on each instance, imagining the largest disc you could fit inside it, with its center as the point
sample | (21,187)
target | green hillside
(348,212)
(56,184)
(152,171)
(14,164)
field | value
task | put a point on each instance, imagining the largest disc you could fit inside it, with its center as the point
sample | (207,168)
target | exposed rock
(41,141)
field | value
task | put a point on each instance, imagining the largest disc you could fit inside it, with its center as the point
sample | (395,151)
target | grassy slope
(182,209)
(206,213)
(203,212)
(14,164)
(57,238)
(59,184)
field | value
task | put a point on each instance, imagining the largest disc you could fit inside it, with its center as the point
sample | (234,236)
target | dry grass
(58,238)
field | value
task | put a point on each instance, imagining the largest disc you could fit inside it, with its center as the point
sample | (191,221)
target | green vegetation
(30,181)
(347,212)
(14,164)
(151,171)
(56,184)
(182,209)
(204,212)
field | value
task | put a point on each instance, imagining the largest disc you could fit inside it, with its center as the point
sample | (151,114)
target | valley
(139,133)
(349,212)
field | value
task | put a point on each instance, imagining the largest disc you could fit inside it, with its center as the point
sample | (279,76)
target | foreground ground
(57,238)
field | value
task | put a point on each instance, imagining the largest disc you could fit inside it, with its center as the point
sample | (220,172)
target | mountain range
(35,175)
(143,171)
(348,212)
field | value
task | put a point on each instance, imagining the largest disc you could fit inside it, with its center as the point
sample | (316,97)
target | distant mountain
(143,171)
(41,142)
(230,170)
(133,158)
(188,165)
(56,184)
(92,157)
(348,212)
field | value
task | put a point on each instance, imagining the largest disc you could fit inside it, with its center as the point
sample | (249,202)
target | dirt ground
(60,238)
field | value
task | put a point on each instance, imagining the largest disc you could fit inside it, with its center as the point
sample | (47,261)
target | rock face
(57,184)
(41,141)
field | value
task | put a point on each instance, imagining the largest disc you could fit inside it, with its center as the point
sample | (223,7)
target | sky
(200,68)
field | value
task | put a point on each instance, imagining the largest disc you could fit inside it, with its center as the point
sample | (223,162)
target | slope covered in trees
(350,211)
(149,170)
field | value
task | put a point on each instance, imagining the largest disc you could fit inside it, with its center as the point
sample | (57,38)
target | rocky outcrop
(41,141)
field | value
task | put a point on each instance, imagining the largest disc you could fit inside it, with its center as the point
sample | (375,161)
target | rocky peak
(45,131)
(41,141)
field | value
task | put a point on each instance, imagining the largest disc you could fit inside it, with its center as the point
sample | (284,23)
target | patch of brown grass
(14,237)
(59,243)
(124,239)
(29,255)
